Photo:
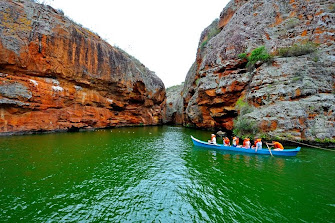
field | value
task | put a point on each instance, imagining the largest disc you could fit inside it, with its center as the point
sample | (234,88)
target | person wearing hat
(213,139)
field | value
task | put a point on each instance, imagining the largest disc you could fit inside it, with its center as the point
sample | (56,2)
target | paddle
(268,148)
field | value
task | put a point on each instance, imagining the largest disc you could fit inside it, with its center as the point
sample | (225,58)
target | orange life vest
(245,142)
(278,145)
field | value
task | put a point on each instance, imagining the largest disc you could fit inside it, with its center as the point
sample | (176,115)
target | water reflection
(250,159)
(155,174)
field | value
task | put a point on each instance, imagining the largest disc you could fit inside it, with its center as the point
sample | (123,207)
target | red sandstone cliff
(56,75)
(292,96)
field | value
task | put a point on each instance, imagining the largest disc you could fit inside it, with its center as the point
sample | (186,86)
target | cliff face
(293,94)
(174,104)
(56,75)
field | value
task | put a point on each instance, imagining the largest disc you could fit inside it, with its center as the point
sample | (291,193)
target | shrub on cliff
(258,54)
(203,44)
(243,56)
(297,49)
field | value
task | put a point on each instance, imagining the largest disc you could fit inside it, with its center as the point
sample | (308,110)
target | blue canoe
(285,152)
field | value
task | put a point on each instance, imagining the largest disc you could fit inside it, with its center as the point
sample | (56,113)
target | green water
(154,174)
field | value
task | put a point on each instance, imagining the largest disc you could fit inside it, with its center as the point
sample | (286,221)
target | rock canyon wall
(56,76)
(292,94)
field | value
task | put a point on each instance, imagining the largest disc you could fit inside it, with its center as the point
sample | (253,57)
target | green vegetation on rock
(326,140)
(197,81)
(243,56)
(243,106)
(297,49)
(211,33)
(203,44)
(174,87)
(258,54)
(244,126)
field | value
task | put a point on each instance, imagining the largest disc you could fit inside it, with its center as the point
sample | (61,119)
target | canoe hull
(264,151)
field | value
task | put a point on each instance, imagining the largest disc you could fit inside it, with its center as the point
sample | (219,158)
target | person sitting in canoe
(258,144)
(235,141)
(277,146)
(255,142)
(246,143)
(226,141)
(213,139)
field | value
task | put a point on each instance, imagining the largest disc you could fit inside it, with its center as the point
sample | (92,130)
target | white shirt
(247,144)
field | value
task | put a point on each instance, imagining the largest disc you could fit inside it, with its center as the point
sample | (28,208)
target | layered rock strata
(292,95)
(56,75)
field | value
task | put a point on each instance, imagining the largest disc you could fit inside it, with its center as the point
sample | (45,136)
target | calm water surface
(154,174)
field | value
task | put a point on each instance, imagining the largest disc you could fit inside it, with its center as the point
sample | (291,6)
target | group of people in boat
(246,143)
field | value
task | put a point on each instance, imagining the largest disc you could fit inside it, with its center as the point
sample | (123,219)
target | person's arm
(269,144)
